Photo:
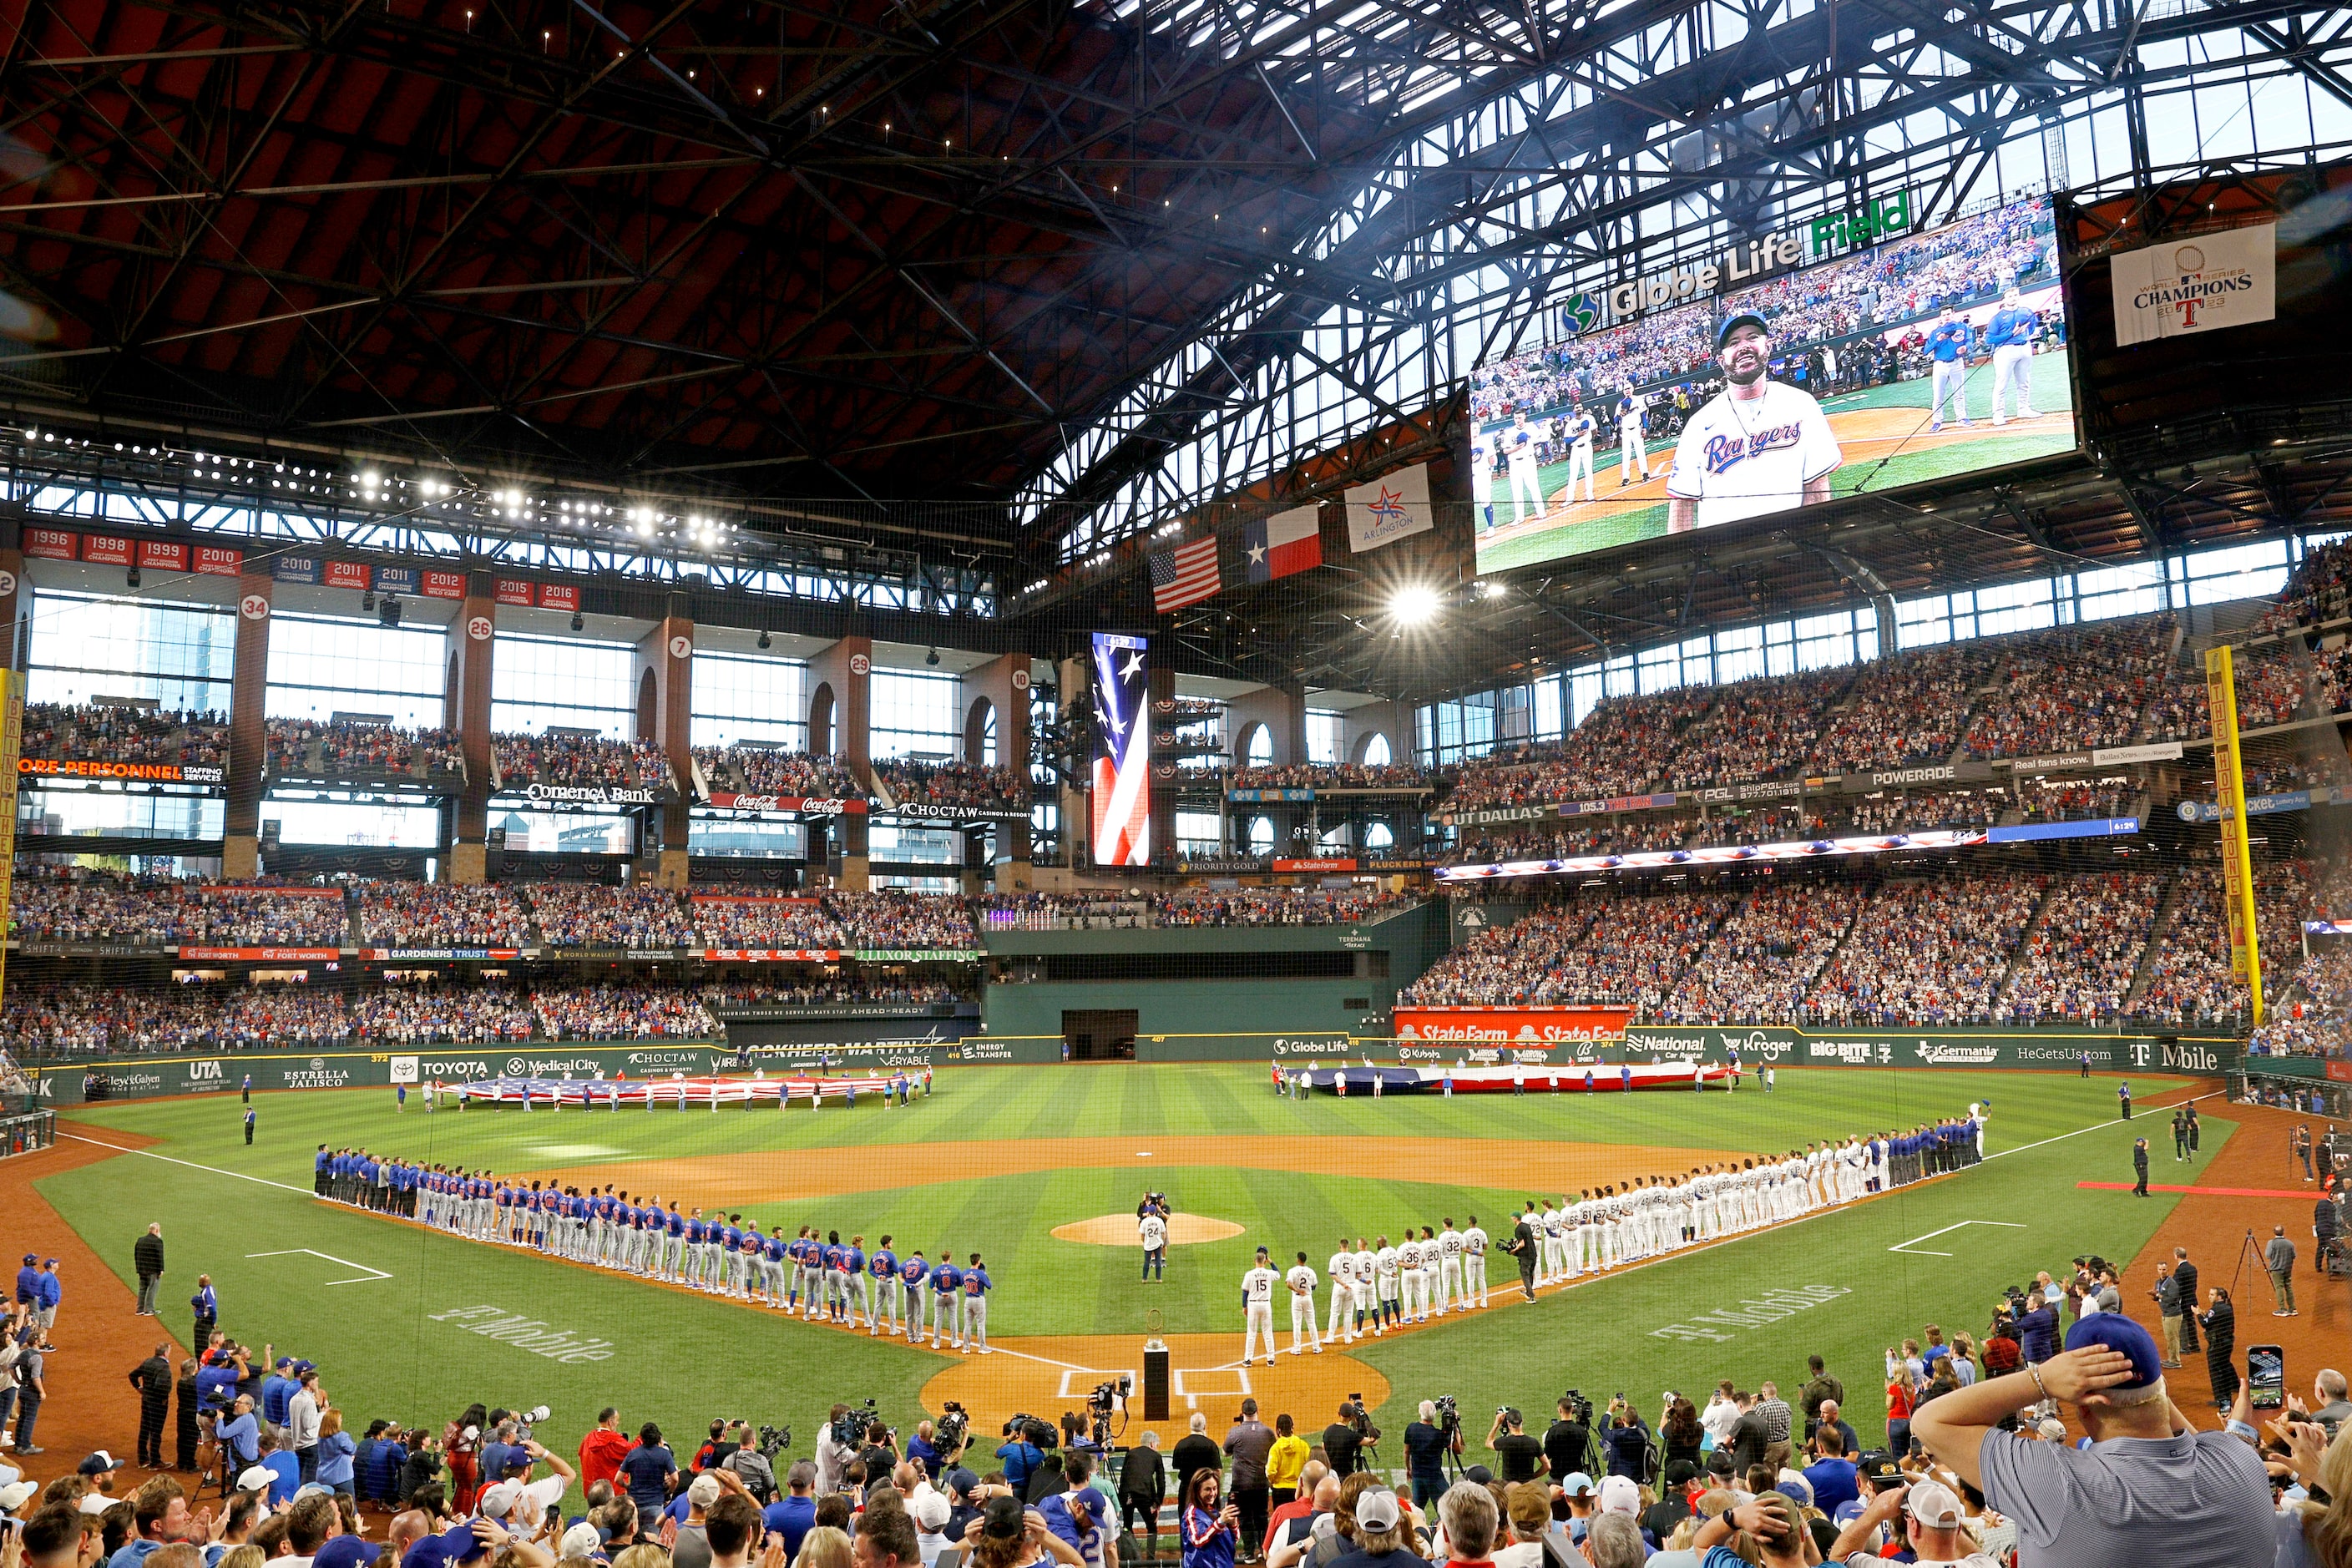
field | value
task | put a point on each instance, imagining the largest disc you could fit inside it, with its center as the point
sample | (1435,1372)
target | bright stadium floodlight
(1413,605)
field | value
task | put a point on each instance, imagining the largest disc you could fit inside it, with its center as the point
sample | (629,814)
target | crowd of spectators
(2072,800)
(2319,590)
(1270,906)
(2074,687)
(1908,709)
(317,748)
(443,1014)
(1081,910)
(1762,964)
(1617,835)
(2080,958)
(877,920)
(969,784)
(1928,951)
(91,1019)
(591,915)
(1330,775)
(728,922)
(578,760)
(1760,730)
(442,914)
(1624,946)
(1894,812)
(758,770)
(726,997)
(622,1010)
(89,729)
(90,907)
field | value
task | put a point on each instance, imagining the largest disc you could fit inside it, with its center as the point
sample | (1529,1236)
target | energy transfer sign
(2197,285)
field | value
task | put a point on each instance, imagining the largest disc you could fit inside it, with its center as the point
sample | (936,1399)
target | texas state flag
(1286,543)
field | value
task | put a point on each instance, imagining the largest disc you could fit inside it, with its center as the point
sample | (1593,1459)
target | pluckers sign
(1754,258)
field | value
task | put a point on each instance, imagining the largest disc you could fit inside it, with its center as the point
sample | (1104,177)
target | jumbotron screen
(1928,354)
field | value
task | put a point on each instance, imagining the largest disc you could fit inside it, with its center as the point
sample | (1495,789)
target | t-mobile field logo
(525,1333)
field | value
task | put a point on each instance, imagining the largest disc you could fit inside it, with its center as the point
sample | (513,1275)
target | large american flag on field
(1184,575)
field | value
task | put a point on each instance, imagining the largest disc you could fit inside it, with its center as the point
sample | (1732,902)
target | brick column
(841,699)
(472,644)
(1003,684)
(667,654)
(241,847)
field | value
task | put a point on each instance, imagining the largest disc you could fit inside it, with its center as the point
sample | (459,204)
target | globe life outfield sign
(1756,258)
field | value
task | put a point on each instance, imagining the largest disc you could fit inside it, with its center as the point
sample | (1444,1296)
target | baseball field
(1882,432)
(1039,1169)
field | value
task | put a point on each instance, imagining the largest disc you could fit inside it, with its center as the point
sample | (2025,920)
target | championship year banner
(1121,767)
(1526,1026)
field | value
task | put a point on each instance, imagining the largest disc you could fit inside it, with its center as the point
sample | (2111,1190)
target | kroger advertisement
(1710,399)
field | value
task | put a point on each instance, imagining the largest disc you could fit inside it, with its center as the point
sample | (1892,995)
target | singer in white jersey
(1757,447)
(1449,1268)
(1257,1308)
(1475,1242)
(1302,1283)
(1343,1294)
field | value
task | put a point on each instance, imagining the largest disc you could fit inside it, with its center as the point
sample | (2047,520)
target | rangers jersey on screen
(1740,459)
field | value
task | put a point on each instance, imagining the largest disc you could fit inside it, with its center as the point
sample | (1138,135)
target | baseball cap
(1735,318)
(1619,1495)
(1932,1503)
(284,1360)
(2050,1429)
(582,1540)
(1718,1462)
(1680,1473)
(254,1478)
(13,1496)
(497,1501)
(2117,1332)
(1377,1510)
(1576,1485)
(98,1502)
(440,1551)
(1797,1489)
(346,1551)
(31,1258)
(1878,1468)
(959,1481)
(98,1463)
(933,1511)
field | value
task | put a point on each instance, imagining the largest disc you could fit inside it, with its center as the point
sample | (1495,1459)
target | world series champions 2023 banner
(1122,751)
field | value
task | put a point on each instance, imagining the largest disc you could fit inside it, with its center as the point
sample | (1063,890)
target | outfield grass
(682,1359)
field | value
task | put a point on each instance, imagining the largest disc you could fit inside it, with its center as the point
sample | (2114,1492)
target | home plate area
(1048,1373)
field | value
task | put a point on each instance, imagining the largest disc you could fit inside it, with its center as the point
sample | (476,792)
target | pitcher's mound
(1119,1230)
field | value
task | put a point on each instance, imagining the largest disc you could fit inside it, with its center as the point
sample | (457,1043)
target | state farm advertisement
(1518,1025)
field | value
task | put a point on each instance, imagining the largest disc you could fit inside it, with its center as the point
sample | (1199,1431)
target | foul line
(2202,1191)
(1930,1252)
(191,1164)
(368,1275)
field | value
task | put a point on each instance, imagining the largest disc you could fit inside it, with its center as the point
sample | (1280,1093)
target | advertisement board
(106,768)
(1525,1026)
(788,804)
(1121,774)
(1714,399)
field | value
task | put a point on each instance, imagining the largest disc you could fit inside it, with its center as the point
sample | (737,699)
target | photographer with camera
(1343,1440)
(750,1466)
(1522,1456)
(1024,1451)
(1567,1442)
(1428,1443)
(1247,1446)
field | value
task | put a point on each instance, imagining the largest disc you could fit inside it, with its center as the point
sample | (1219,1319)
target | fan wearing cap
(1931,1517)
(2149,1486)
(1757,447)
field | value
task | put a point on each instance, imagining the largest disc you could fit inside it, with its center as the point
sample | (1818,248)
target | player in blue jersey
(947,1299)
(915,1274)
(976,1287)
(882,1264)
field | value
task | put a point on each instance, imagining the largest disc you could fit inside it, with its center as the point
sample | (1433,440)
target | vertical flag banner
(2230,795)
(1389,509)
(1122,751)
(1286,543)
(2200,284)
(1184,575)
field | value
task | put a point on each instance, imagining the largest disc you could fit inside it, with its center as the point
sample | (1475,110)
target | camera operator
(752,1467)
(833,1453)
(1522,1456)
(1022,1451)
(1567,1442)
(1426,1445)
(1248,1445)
(878,1456)
(1343,1446)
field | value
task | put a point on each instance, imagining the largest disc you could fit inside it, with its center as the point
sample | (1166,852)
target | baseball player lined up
(1519,447)
(2010,335)
(1581,431)
(1257,1308)
(1757,447)
(1482,476)
(1947,349)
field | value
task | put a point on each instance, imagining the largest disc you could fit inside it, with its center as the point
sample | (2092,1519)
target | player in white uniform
(1257,1308)
(1757,447)
(1519,447)
(1449,1268)
(1475,1242)
(1555,1240)
(1409,1275)
(1343,1294)
(1482,477)
(1581,433)
(1367,1272)
(1632,446)
(1389,1270)
(1432,1270)
(1152,1231)
(1302,1281)
(1584,1239)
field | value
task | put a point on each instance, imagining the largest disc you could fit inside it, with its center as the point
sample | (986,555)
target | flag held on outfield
(1286,543)
(1184,575)
(1389,508)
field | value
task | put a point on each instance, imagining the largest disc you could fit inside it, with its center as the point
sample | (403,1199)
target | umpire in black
(153,1379)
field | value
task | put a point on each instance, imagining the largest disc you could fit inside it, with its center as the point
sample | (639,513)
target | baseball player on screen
(1757,447)
(1482,476)
(1633,450)
(2010,334)
(1947,349)
(1581,432)
(1520,445)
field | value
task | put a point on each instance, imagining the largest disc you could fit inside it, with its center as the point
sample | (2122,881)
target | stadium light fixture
(1413,605)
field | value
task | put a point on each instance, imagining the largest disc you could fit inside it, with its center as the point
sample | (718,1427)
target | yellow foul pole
(2237,872)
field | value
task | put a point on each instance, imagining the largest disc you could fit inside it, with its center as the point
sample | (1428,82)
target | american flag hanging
(1184,575)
